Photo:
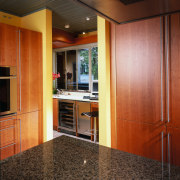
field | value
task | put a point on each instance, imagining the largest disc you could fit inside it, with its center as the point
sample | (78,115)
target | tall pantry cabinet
(146,75)
(29,67)
(22,48)
(173,87)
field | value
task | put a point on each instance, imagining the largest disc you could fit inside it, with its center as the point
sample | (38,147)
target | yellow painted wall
(104,82)
(10,19)
(40,21)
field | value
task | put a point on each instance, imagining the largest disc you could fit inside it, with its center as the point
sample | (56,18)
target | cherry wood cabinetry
(145,62)
(174,146)
(55,113)
(23,48)
(173,89)
(31,129)
(174,70)
(30,87)
(9,136)
(138,87)
(142,139)
(8,45)
(138,62)
(30,71)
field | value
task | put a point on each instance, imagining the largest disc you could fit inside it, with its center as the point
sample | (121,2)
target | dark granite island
(69,158)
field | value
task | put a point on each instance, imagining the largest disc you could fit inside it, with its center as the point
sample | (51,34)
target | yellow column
(104,82)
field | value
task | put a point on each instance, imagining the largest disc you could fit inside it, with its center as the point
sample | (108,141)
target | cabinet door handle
(19,70)
(74,122)
(167,65)
(162,149)
(169,164)
(78,116)
(161,41)
(20,134)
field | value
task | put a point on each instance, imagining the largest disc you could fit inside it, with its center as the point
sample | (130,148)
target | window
(71,69)
(83,69)
(94,63)
(78,67)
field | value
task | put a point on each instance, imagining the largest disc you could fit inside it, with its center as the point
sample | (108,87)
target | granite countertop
(68,158)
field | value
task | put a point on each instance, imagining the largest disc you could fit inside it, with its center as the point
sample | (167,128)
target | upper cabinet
(29,71)
(138,87)
(8,45)
(138,60)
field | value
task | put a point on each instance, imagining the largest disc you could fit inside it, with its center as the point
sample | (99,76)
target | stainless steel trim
(161,39)
(19,70)
(20,134)
(77,117)
(162,150)
(7,128)
(169,166)
(9,77)
(73,117)
(167,65)
(7,146)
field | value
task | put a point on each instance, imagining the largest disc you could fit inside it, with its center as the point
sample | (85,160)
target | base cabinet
(55,113)
(9,136)
(30,129)
(173,138)
(142,139)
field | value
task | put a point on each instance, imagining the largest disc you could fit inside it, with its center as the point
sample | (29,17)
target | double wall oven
(8,90)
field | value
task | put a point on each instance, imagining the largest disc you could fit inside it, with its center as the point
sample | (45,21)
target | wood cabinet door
(174,145)
(142,139)
(31,129)
(30,72)
(174,70)
(55,113)
(138,69)
(8,45)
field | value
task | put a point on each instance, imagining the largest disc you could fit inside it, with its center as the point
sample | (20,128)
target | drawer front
(9,136)
(7,122)
(7,152)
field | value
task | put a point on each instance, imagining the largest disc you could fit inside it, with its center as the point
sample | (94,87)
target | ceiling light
(67,26)
(84,33)
(87,18)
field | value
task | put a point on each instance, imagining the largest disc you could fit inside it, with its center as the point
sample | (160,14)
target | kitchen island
(68,158)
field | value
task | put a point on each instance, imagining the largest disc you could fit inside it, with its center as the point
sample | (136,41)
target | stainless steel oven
(8,90)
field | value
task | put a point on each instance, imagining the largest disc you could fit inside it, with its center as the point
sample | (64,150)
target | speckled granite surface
(69,158)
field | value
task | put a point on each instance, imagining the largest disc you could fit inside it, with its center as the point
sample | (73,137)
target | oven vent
(127,2)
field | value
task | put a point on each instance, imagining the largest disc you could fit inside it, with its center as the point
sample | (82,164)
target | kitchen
(138,97)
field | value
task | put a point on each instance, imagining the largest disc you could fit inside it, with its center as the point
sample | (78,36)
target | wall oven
(8,90)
